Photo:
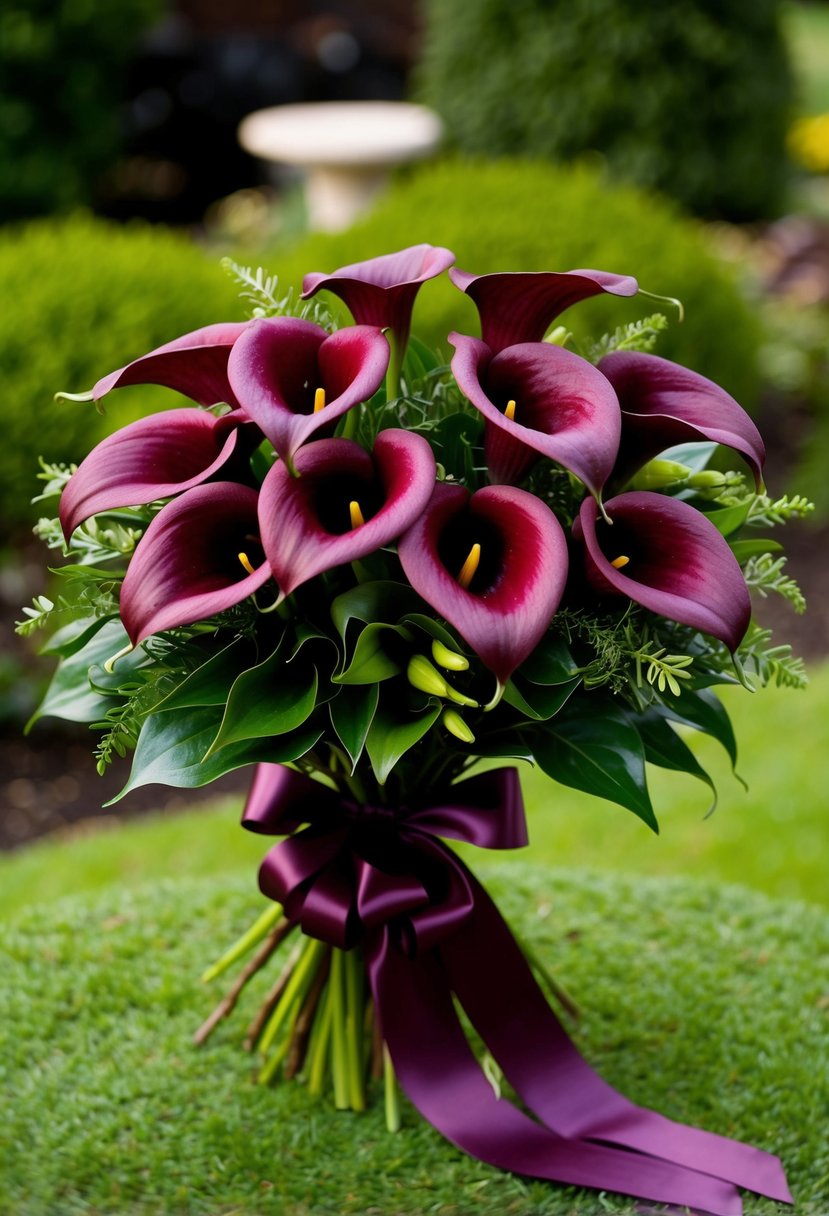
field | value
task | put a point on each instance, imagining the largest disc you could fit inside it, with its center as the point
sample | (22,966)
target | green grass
(107,1109)
(807,28)
(773,838)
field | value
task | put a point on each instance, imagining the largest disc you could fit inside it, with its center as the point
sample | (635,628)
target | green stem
(318,1051)
(270,1066)
(246,942)
(296,988)
(339,1052)
(354,976)
(391,1094)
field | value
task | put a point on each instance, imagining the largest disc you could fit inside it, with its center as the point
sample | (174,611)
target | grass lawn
(109,1111)
(774,838)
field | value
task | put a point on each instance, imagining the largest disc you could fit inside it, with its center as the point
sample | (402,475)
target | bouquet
(365,573)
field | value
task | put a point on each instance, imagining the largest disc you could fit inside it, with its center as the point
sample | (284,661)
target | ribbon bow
(429,930)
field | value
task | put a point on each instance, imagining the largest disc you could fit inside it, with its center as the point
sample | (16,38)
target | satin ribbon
(382,877)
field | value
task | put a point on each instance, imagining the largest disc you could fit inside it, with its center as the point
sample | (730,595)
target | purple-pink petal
(520,306)
(563,409)
(679,565)
(152,458)
(664,403)
(381,291)
(194,364)
(305,522)
(186,567)
(511,599)
(278,364)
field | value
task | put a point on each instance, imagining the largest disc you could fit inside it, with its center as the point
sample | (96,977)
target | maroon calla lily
(278,366)
(519,306)
(194,364)
(155,457)
(678,565)
(664,404)
(187,566)
(562,408)
(381,291)
(307,523)
(504,608)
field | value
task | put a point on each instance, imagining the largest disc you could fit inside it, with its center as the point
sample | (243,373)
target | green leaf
(728,519)
(594,748)
(550,663)
(695,455)
(69,639)
(372,661)
(431,627)
(171,750)
(394,729)
(70,695)
(744,549)
(538,701)
(703,711)
(352,712)
(381,600)
(665,748)
(210,683)
(273,698)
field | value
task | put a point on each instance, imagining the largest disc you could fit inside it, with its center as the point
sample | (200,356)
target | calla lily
(664,404)
(344,504)
(493,564)
(200,555)
(382,290)
(152,458)
(664,554)
(292,377)
(194,364)
(539,399)
(520,306)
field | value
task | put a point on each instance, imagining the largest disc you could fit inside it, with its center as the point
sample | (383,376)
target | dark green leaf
(72,637)
(744,549)
(211,683)
(664,747)
(394,729)
(432,627)
(377,601)
(704,711)
(594,748)
(550,663)
(70,695)
(538,701)
(273,698)
(373,660)
(171,750)
(352,711)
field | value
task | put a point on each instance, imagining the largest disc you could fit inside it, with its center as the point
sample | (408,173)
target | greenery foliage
(519,215)
(84,297)
(108,1107)
(62,63)
(692,99)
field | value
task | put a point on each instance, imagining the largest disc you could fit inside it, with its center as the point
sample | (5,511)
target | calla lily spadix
(520,306)
(194,365)
(155,457)
(345,503)
(291,377)
(381,291)
(663,404)
(199,556)
(662,553)
(539,399)
(493,564)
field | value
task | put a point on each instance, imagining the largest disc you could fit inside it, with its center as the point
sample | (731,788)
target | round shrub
(520,215)
(691,97)
(83,298)
(62,65)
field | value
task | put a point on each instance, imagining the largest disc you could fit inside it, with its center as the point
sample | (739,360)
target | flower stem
(246,942)
(301,979)
(391,1094)
(354,977)
(228,1002)
(320,1040)
(339,1048)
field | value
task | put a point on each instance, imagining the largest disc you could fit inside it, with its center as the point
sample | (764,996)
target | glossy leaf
(664,747)
(352,712)
(539,701)
(395,729)
(210,683)
(703,711)
(373,659)
(594,748)
(70,695)
(550,663)
(375,601)
(744,549)
(270,699)
(728,519)
(71,638)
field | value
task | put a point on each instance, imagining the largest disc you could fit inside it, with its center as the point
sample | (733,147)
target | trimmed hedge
(704,1002)
(692,98)
(522,215)
(83,298)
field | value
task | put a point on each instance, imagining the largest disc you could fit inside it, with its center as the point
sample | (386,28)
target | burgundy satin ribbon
(382,877)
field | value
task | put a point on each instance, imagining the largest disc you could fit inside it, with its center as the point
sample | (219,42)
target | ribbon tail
(438,1071)
(545,1068)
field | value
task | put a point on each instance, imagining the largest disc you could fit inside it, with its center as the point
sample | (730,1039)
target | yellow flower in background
(808,143)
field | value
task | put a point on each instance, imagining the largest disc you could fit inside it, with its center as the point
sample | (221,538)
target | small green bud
(456,726)
(421,674)
(449,659)
(657,474)
(707,479)
(459,698)
(560,336)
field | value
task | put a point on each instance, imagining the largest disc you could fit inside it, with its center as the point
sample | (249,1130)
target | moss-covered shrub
(62,64)
(691,97)
(84,297)
(518,215)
